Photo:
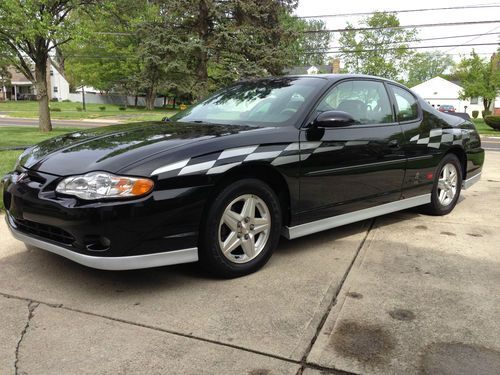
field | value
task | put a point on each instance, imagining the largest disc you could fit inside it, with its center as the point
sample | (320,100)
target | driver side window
(366,101)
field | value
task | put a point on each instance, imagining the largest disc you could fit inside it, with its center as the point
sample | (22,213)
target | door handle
(394,143)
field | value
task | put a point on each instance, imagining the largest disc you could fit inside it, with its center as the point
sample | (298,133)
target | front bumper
(156,230)
(109,263)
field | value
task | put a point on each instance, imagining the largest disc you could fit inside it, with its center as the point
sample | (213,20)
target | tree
(134,48)
(380,49)
(428,65)
(308,45)
(31,29)
(479,78)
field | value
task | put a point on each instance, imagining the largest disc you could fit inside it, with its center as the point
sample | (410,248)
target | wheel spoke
(248,246)
(260,225)
(441,184)
(232,242)
(231,219)
(442,196)
(248,208)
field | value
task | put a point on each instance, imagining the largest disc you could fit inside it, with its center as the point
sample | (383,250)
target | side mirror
(334,119)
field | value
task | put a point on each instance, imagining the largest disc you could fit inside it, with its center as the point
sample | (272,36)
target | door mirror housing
(334,119)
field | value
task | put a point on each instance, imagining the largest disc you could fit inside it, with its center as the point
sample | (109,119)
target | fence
(96,98)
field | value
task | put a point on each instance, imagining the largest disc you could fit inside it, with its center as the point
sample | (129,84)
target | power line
(401,11)
(476,37)
(440,37)
(401,48)
(400,27)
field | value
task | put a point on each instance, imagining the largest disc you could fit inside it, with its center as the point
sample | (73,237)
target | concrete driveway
(404,293)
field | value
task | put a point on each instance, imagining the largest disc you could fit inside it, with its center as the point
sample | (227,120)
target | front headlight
(101,185)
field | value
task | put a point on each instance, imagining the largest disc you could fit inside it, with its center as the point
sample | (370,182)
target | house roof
(17,78)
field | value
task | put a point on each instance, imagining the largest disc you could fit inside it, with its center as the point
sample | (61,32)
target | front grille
(45,231)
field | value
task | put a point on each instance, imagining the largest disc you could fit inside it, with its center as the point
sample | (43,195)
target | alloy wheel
(244,228)
(447,184)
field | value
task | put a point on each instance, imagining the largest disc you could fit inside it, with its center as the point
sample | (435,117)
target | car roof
(336,77)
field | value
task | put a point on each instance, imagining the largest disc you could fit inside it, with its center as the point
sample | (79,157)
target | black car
(223,180)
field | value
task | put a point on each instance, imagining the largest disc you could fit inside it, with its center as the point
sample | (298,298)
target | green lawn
(29,109)
(484,129)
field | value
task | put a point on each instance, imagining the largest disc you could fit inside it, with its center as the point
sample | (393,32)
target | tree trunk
(136,100)
(150,98)
(44,123)
(202,55)
(486,104)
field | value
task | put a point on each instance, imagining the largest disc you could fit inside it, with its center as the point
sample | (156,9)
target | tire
(229,224)
(449,165)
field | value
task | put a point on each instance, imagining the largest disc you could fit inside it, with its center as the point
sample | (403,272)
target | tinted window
(366,101)
(406,103)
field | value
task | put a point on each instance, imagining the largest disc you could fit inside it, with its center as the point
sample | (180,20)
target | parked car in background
(223,180)
(446,108)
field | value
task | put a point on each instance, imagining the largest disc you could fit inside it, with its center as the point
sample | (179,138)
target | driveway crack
(31,310)
(303,362)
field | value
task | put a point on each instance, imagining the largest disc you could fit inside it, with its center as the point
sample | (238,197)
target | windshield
(276,101)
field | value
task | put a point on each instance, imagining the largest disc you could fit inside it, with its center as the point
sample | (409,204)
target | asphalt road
(404,293)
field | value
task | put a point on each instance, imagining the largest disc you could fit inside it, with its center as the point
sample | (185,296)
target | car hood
(114,147)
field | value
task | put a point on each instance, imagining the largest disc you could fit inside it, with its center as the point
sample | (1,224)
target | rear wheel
(242,229)
(447,186)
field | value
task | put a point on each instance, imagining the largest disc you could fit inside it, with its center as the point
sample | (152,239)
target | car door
(350,168)
(422,135)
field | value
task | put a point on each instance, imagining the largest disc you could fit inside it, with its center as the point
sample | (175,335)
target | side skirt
(352,217)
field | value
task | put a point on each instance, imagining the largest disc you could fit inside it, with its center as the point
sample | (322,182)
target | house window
(56,89)
(51,72)
(474,100)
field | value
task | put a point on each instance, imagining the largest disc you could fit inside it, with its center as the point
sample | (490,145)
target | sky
(326,7)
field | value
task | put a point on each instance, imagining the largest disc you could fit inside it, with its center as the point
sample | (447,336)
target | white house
(21,88)
(59,86)
(438,91)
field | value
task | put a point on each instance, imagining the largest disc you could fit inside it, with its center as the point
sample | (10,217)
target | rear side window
(366,101)
(407,104)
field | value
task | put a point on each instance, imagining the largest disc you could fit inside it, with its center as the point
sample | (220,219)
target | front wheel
(242,229)
(447,186)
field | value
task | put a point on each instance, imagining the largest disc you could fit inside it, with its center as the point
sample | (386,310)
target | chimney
(336,66)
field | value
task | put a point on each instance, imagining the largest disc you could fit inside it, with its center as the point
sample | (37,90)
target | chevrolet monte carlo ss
(222,181)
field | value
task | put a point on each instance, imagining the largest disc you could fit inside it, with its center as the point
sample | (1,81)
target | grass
(68,111)
(26,135)
(484,129)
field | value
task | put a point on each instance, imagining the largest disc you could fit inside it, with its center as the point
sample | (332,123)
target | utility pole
(83,98)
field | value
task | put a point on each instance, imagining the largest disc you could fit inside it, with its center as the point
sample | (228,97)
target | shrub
(54,100)
(122,108)
(475,114)
(66,101)
(79,109)
(102,108)
(485,113)
(493,121)
(55,109)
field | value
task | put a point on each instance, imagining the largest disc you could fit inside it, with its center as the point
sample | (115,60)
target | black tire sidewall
(436,207)
(210,253)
